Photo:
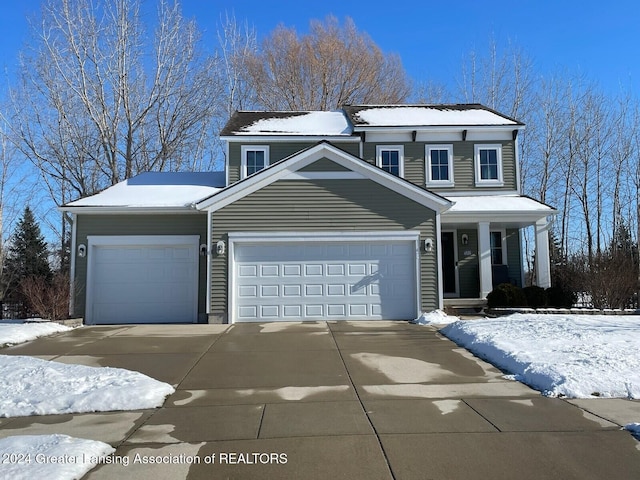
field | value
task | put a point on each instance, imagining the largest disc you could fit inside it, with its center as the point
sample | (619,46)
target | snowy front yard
(579,356)
(30,386)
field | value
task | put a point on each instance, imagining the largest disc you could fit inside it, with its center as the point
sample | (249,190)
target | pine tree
(26,257)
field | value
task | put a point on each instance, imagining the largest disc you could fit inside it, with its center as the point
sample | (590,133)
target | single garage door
(341,280)
(142,279)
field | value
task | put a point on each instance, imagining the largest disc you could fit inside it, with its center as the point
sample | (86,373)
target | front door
(449,263)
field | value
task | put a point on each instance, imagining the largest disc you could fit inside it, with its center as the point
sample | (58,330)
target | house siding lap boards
(327,206)
(135,225)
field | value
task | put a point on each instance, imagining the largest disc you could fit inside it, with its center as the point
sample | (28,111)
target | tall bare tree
(334,64)
(100,100)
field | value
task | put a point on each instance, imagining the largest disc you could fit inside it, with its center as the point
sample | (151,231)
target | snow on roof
(288,123)
(497,203)
(157,189)
(427,115)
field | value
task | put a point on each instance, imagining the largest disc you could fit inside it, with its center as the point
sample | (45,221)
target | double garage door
(142,279)
(324,280)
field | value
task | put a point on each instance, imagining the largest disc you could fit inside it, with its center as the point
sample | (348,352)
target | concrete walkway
(354,400)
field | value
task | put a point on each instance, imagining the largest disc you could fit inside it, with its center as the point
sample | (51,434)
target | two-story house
(368,212)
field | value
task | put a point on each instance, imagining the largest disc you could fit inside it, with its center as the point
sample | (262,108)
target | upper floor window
(439,165)
(254,159)
(391,159)
(488,165)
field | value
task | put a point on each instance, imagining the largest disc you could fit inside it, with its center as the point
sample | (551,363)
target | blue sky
(598,39)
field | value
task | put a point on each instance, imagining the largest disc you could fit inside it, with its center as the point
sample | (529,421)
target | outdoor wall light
(428,245)
(203,249)
(220,247)
(465,239)
(82,250)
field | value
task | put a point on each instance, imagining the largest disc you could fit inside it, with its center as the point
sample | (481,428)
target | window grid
(496,248)
(440,165)
(390,161)
(488,164)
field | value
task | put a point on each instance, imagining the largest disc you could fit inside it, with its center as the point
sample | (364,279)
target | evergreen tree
(26,257)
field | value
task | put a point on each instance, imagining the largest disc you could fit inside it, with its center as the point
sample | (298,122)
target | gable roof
(290,166)
(451,115)
(287,123)
(152,190)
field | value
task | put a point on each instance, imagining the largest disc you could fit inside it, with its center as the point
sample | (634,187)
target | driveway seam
(481,415)
(217,339)
(364,410)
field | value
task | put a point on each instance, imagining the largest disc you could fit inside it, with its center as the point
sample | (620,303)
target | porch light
(428,244)
(220,247)
(82,250)
(203,249)
(465,239)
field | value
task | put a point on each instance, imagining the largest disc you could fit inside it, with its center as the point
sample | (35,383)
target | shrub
(506,295)
(560,298)
(47,299)
(536,296)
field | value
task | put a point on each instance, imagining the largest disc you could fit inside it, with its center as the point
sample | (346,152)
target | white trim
(324,176)
(479,182)
(110,210)
(283,168)
(427,159)
(284,138)
(516,156)
(439,264)
(482,193)
(94,241)
(484,259)
(522,258)
(72,265)
(243,158)
(391,148)
(520,219)
(456,274)
(226,164)
(296,237)
(209,258)
(436,128)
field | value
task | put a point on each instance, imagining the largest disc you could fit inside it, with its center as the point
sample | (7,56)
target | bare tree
(332,65)
(98,102)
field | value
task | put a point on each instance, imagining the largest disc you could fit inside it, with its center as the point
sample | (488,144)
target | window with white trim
(488,165)
(254,159)
(498,248)
(391,159)
(439,165)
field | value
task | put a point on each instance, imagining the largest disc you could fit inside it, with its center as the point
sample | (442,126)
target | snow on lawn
(436,317)
(49,456)
(30,386)
(580,356)
(14,332)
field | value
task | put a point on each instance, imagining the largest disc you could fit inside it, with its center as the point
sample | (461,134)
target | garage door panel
(143,283)
(316,281)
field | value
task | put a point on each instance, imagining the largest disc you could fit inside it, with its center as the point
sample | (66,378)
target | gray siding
(189,224)
(463,166)
(323,205)
(324,165)
(277,151)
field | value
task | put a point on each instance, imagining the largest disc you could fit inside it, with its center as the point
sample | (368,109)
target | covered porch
(482,245)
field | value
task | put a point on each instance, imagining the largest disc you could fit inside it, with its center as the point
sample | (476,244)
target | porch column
(543,267)
(484,257)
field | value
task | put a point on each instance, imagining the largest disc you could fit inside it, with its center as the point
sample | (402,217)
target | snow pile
(30,386)
(49,456)
(13,333)
(578,356)
(436,317)
(427,116)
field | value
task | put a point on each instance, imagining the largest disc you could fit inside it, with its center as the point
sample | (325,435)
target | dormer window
(390,158)
(439,167)
(488,165)
(254,159)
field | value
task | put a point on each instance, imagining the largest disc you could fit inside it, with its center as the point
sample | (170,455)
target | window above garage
(254,159)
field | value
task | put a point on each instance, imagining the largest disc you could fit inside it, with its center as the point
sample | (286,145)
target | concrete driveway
(353,400)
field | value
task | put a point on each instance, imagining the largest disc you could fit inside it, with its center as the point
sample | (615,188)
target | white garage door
(142,279)
(346,280)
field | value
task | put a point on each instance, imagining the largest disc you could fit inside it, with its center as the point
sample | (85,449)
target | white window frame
(393,148)
(430,182)
(488,182)
(252,148)
(503,244)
